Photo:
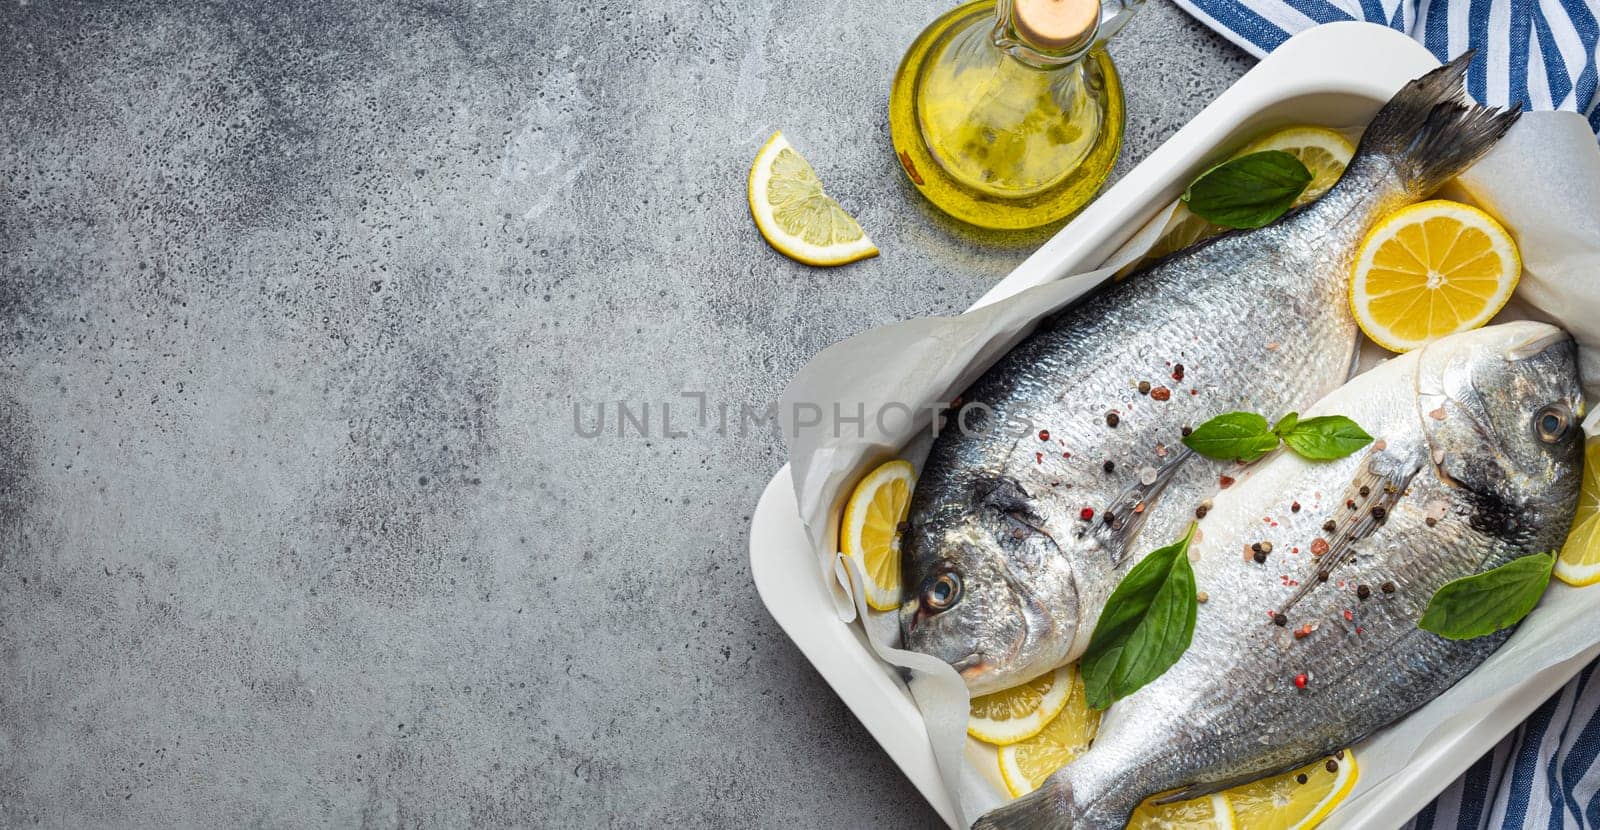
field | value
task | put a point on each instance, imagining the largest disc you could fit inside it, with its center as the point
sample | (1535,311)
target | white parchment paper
(1542,181)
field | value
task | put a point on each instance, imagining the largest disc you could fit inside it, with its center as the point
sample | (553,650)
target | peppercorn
(1322,576)
(1379,513)
(1266,547)
(1362,592)
(1294,507)
(1365,491)
(1387,587)
(1201,511)
(1261,558)
(1110,466)
(1301,778)
(1144,387)
(1177,372)
(1086,513)
(1329,527)
(1187,431)
(1112,420)
(1161,393)
(1044,435)
(1331,766)
(1278,619)
(1430,521)
(1202,597)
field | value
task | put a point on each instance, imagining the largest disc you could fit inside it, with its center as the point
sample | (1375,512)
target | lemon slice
(1324,152)
(1579,563)
(1283,803)
(1025,764)
(1184,228)
(795,216)
(1431,270)
(1014,714)
(1208,812)
(871,530)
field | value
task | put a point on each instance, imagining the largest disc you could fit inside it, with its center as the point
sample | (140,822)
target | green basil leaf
(1485,603)
(1326,437)
(1235,436)
(1248,191)
(1146,625)
(1285,424)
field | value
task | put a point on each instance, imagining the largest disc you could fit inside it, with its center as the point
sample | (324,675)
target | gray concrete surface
(295,303)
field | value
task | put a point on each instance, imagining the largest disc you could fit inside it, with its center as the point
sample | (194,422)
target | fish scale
(1260,321)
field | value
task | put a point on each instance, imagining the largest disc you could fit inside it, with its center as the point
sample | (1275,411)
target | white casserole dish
(1336,75)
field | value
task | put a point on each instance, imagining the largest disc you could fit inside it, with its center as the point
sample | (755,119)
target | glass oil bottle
(1007,114)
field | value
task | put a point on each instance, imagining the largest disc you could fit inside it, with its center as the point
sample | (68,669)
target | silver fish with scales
(1479,462)
(1065,474)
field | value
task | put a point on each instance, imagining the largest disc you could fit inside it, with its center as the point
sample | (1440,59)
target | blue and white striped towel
(1542,775)
(1540,53)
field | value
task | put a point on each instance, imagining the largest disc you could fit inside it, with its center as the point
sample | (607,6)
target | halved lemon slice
(1324,152)
(1430,270)
(1025,764)
(1579,563)
(1184,228)
(1285,802)
(795,216)
(870,531)
(1021,712)
(1208,812)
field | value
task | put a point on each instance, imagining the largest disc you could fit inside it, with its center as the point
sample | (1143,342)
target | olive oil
(999,124)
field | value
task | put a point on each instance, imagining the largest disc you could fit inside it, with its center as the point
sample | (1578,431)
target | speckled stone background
(296,301)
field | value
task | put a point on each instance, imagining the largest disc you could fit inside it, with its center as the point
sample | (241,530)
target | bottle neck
(1014,35)
(1049,34)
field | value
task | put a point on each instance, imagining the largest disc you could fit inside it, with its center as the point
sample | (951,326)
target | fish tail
(1052,807)
(1431,132)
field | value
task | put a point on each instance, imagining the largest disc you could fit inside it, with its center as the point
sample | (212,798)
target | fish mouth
(971,666)
(1538,344)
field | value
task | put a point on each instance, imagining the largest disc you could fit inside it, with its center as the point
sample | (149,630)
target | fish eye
(1553,423)
(943,592)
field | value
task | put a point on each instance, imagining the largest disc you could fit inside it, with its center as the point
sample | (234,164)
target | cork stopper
(1055,24)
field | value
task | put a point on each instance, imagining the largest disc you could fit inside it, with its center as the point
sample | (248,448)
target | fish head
(983,577)
(1501,408)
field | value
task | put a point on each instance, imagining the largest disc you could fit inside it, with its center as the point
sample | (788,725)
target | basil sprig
(1480,604)
(1144,628)
(1248,191)
(1245,436)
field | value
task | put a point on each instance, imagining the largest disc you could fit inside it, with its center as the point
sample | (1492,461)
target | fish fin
(1054,807)
(1126,513)
(1198,790)
(1355,360)
(1050,806)
(1431,132)
(1363,514)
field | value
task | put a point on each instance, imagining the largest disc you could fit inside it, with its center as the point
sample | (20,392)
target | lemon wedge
(870,531)
(1208,812)
(1284,803)
(1579,563)
(1021,712)
(795,216)
(1324,152)
(1430,270)
(1025,765)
